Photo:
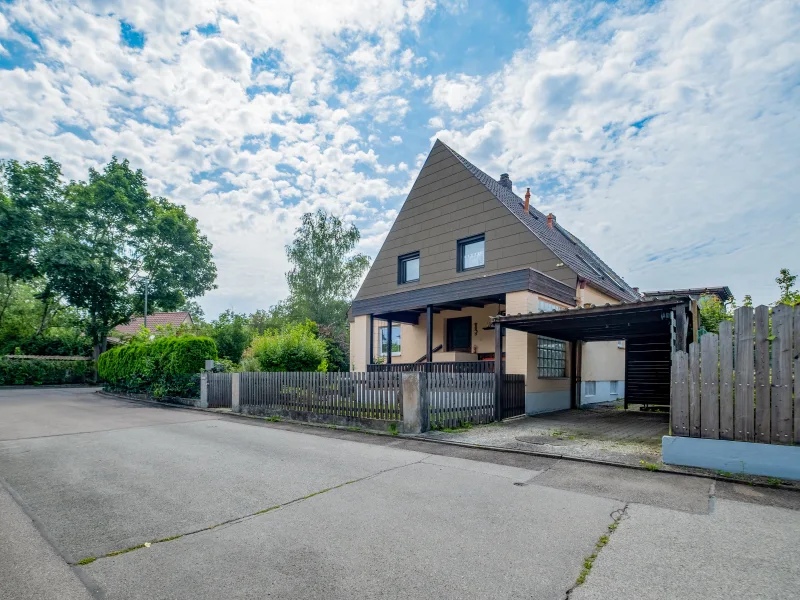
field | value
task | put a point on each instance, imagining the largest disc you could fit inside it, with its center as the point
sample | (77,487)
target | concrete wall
(771,460)
(445,204)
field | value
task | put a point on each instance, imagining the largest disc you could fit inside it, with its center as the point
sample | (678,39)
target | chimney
(505,181)
(528,200)
(637,291)
(551,220)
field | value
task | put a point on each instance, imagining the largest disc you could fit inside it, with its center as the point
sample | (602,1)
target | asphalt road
(272,510)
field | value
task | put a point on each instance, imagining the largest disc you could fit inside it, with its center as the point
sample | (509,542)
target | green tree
(786,281)
(194,309)
(295,348)
(96,243)
(324,271)
(232,334)
(712,312)
(748,300)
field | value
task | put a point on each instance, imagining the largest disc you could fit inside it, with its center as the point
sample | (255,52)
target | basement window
(591,388)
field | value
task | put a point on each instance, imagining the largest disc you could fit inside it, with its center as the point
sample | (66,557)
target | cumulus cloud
(654,134)
(457,94)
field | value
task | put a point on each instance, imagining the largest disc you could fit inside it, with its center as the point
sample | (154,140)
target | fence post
(235,407)
(415,402)
(203,402)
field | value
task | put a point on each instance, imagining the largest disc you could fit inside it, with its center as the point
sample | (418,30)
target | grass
(588,562)
(87,561)
(273,419)
(649,466)
(354,429)
(460,428)
(393,428)
(775,481)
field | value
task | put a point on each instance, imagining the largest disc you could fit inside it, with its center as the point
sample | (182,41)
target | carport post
(235,407)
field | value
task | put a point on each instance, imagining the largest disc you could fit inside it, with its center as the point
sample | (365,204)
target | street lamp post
(146,285)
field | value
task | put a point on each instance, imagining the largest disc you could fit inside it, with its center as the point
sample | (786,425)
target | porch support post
(578,372)
(429,334)
(498,370)
(371,356)
(388,342)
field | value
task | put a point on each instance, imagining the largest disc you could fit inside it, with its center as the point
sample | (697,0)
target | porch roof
(406,306)
(641,319)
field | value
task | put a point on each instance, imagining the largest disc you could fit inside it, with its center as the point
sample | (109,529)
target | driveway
(105,498)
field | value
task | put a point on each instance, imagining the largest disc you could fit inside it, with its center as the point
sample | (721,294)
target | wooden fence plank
(726,380)
(743,365)
(796,354)
(782,374)
(709,396)
(763,419)
(680,394)
(694,389)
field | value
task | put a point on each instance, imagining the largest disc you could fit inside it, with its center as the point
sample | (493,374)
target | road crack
(588,562)
(90,559)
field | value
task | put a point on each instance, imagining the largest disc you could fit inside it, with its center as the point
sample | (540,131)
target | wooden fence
(458,398)
(359,395)
(219,390)
(738,385)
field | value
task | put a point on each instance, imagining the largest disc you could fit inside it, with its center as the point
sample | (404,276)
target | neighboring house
(464,248)
(176,319)
(723,292)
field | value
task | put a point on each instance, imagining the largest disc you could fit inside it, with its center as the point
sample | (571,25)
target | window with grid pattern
(552,359)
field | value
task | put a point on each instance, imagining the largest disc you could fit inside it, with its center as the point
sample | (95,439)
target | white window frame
(546,306)
(593,388)
(613,387)
(399,331)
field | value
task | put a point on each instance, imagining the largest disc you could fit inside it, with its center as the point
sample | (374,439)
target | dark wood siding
(445,204)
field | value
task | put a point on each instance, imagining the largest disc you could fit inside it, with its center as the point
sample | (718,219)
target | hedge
(168,366)
(45,372)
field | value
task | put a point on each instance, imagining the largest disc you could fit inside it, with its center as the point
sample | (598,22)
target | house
(175,319)
(464,248)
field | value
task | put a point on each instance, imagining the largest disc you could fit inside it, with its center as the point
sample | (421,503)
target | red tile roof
(176,319)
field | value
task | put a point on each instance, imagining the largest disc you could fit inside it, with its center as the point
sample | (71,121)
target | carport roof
(644,318)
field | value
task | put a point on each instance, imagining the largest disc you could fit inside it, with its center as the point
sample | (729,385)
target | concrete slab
(114,489)
(630,485)
(741,492)
(739,551)
(58,411)
(514,474)
(30,567)
(421,531)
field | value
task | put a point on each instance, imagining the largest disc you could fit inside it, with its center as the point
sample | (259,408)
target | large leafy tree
(97,243)
(324,271)
(786,281)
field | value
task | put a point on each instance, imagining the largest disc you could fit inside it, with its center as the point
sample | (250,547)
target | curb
(594,461)
(54,386)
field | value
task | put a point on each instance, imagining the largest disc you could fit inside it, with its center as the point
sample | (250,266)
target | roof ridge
(607,280)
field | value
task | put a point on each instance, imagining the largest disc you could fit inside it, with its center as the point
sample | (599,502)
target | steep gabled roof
(567,247)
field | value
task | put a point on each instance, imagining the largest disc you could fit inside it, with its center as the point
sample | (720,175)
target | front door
(459,334)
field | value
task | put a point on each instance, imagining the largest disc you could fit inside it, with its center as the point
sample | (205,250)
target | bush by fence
(45,372)
(168,366)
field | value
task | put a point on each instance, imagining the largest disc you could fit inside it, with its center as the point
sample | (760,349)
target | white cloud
(435,122)
(666,138)
(457,94)
(396,139)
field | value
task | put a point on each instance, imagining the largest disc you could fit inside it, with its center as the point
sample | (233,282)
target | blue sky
(664,134)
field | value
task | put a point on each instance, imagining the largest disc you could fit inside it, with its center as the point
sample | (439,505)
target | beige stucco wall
(521,348)
(600,361)
(603,361)
(359,343)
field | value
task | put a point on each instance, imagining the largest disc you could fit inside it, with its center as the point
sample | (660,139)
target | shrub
(295,348)
(167,366)
(45,372)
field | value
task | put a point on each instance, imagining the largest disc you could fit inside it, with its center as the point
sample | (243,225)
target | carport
(651,329)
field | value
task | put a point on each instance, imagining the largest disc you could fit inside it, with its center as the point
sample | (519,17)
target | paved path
(603,432)
(272,510)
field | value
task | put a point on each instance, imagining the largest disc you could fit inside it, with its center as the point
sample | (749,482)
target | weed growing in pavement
(273,419)
(87,561)
(649,466)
